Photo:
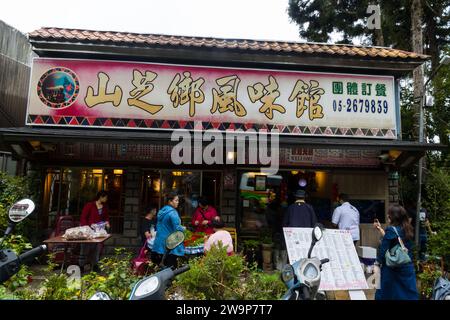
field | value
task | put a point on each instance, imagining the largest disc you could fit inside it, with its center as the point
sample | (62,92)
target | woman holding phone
(396,283)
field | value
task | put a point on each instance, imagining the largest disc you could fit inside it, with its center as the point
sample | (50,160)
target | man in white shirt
(346,217)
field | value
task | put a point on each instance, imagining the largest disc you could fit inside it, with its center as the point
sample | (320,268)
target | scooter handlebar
(324,261)
(181,270)
(32,253)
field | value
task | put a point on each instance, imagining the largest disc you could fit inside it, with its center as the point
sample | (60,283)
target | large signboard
(97,93)
(343,272)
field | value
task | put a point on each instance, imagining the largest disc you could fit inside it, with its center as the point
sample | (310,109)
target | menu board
(343,272)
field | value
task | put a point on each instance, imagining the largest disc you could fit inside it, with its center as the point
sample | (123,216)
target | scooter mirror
(20,210)
(287,273)
(174,240)
(317,233)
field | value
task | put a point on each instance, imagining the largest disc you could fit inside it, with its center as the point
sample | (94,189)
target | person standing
(168,221)
(396,283)
(203,217)
(300,214)
(346,217)
(93,212)
(148,226)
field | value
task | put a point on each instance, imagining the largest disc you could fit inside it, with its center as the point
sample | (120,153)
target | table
(61,240)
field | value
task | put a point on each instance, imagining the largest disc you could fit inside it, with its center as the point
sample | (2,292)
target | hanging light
(302,182)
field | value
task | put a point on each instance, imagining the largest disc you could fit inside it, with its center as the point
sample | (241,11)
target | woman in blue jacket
(396,283)
(168,221)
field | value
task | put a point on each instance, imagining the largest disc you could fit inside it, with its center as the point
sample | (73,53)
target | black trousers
(170,260)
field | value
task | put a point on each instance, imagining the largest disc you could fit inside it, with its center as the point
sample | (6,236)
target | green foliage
(19,280)
(219,276)
(17,243)
(12,189)
(251,244)
(214,276)
(317,19)
(437,196)
(118,280)
(437,202)
(266,236)
(5,294)
(57,287)
(427,279)
(263,286)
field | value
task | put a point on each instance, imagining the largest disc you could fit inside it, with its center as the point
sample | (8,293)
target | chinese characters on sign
(146,93)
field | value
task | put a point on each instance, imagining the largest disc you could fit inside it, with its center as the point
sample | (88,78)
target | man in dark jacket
(300,214)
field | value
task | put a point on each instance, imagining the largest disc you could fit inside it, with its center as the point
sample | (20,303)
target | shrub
(12,189)
(219,276)
(118,280)
(263,286)
(426,279)
(437,201)
(214,276)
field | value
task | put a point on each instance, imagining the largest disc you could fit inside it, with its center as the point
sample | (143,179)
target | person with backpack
(300,214)
(203,217)
(398,281)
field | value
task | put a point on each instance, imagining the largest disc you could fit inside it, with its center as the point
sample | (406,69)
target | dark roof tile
(118,38)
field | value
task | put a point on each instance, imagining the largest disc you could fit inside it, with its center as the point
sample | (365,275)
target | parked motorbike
(154,287)
(303,277)
(9,262)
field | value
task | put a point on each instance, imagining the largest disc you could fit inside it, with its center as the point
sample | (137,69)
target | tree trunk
(417,46)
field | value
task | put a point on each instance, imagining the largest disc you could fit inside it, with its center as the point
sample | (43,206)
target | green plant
(263,286)
(438,205)
(17,243)
(214,276)
(118,279)
(12,189)
(219,276)
(426,279)
(266,237)
(251,244)
(20,279)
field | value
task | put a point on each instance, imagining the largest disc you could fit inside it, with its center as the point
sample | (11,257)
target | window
(67,190)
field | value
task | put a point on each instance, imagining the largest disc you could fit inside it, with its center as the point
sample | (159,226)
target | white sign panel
(343,272)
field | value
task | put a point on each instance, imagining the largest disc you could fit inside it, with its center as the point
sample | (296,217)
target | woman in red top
(96,211)
(203,217)
(93,212)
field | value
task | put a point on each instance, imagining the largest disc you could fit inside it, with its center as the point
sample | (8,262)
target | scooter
(9,262)
(302,278)
(154,287)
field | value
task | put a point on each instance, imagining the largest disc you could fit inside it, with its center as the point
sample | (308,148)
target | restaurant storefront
(102,112)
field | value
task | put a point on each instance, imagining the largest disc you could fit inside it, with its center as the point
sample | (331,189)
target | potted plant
(250,248)
(267,249)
